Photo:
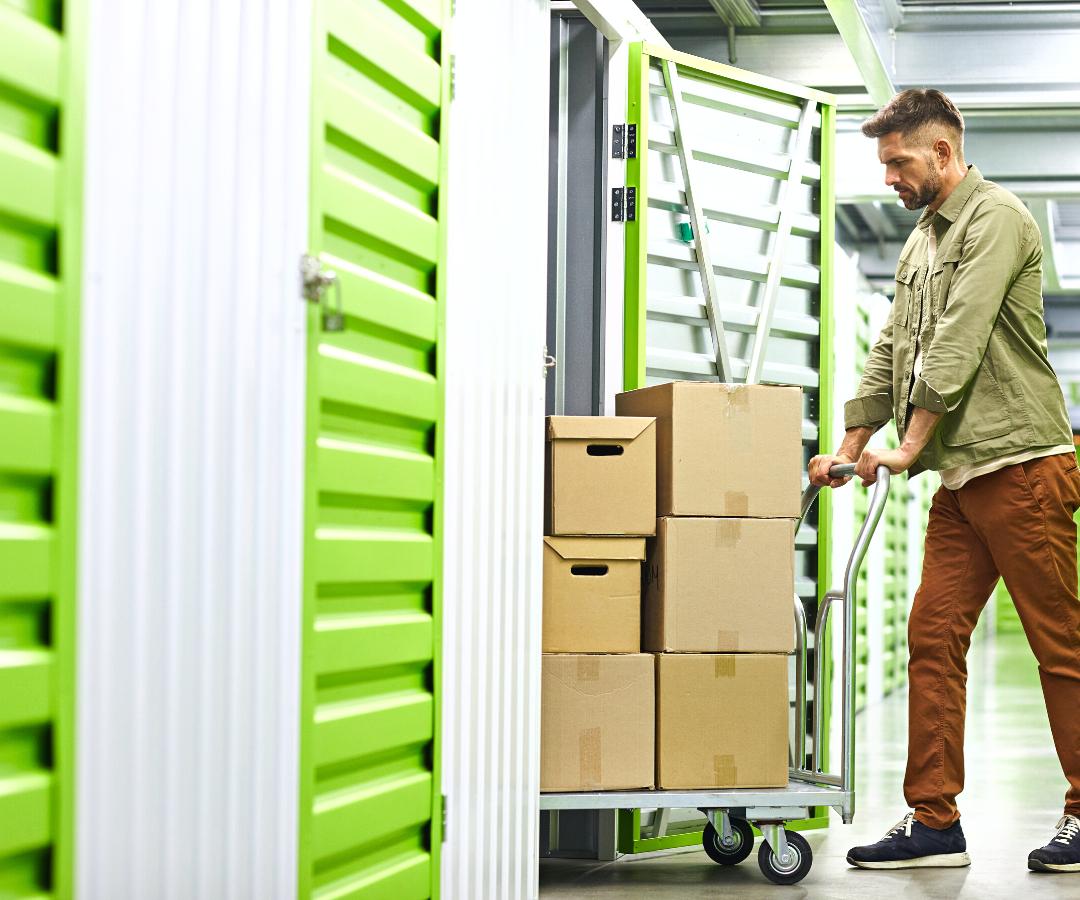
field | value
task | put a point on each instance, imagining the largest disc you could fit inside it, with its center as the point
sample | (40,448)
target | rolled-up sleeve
(873,403)
(986,270)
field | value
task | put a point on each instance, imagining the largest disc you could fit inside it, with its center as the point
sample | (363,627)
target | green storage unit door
(40,133)
(369,819)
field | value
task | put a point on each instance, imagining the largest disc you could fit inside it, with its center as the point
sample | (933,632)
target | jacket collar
(950,209)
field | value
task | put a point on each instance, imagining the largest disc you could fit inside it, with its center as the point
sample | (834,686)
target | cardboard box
(592,594)
(721,721)
(597,721)
(724,449)
(601,476)
(720,586)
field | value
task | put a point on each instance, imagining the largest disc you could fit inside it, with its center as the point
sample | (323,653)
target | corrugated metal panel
(496,297)
(39,243)
(368,762)
(192,452)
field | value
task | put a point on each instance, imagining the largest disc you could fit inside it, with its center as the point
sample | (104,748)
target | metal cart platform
(785,856)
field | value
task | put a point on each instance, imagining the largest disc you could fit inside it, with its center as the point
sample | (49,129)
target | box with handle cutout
(592,594)
(600,476)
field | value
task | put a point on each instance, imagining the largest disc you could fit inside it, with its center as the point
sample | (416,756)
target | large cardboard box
(722,721)
(724,449)
(720,586)
(597,720)
(592,594)
(601,476)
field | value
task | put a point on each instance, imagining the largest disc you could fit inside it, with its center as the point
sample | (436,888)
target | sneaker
(1062,854)
(912,845)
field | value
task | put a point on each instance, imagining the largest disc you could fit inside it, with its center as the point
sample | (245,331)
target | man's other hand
(819,469)
(897,460)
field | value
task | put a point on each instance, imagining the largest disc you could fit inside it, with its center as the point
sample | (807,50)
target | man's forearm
(919,431)
(855,441)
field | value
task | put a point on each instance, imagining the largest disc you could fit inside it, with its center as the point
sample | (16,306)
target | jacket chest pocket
(907,275)
(941,278)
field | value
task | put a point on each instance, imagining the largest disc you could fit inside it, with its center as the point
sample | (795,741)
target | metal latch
(316,281)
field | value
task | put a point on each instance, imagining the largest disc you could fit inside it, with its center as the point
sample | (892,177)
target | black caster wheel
(795,869)
(740,846)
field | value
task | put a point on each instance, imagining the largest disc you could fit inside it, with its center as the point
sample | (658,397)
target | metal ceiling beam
(983,69)
(745,13)
(879,223)
(865,27)
(620,20)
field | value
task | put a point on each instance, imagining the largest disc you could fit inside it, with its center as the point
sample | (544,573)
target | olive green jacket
(983,337)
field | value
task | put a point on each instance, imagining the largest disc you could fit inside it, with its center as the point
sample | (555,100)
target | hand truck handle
(851,575)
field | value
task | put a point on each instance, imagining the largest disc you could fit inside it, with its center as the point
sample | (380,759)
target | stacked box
(720,578)
(598,691)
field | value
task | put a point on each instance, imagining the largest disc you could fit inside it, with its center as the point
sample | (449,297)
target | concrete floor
(1015,791)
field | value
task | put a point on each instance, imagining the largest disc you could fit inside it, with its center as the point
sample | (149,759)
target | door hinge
(624,204)
(549,360)
(443,831)
(453,76)
(624,141)
(316,282)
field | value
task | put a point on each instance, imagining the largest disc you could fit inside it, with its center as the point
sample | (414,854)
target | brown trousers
(1016,523)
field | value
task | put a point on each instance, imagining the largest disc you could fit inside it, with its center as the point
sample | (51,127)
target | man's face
(909,171)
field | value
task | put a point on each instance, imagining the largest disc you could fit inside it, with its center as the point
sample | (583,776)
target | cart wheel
(740,847)
(793,871)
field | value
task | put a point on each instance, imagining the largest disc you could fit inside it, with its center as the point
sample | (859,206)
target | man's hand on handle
(922,425)
(819,471)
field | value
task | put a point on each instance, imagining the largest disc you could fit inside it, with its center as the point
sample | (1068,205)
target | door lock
(317,281)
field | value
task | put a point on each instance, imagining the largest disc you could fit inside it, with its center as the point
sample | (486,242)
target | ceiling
(1011,67)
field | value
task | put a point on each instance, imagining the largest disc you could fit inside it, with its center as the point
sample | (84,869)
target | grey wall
(586,215)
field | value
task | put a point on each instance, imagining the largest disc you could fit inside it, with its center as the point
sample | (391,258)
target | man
(961,365)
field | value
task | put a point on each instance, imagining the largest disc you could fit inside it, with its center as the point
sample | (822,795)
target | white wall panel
(495,328)
(191,456)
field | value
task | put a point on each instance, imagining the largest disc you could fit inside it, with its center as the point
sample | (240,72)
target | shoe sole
(941,861)
(1037,866)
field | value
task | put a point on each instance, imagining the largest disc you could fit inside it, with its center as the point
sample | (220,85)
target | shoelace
(904,825)
(1068,827)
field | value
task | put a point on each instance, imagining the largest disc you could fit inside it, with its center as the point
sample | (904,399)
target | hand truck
(785,856)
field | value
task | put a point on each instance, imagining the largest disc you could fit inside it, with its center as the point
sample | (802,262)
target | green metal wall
(369,818)
(40,201)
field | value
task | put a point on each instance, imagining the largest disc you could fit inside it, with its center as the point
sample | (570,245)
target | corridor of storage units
(341,343)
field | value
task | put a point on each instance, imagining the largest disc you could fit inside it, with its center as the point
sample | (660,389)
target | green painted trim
(739,77)
(66,439)
(438,520)
(306,817)
(636,234)
(629,839)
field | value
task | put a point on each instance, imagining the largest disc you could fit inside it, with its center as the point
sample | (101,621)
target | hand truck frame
(785,856)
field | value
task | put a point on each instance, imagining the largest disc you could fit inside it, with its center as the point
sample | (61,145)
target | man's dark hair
(920,116)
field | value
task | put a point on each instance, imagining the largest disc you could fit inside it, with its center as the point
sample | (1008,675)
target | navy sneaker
(912,845)
(1062,854)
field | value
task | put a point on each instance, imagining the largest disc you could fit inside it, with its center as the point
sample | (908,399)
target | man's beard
(928,190)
